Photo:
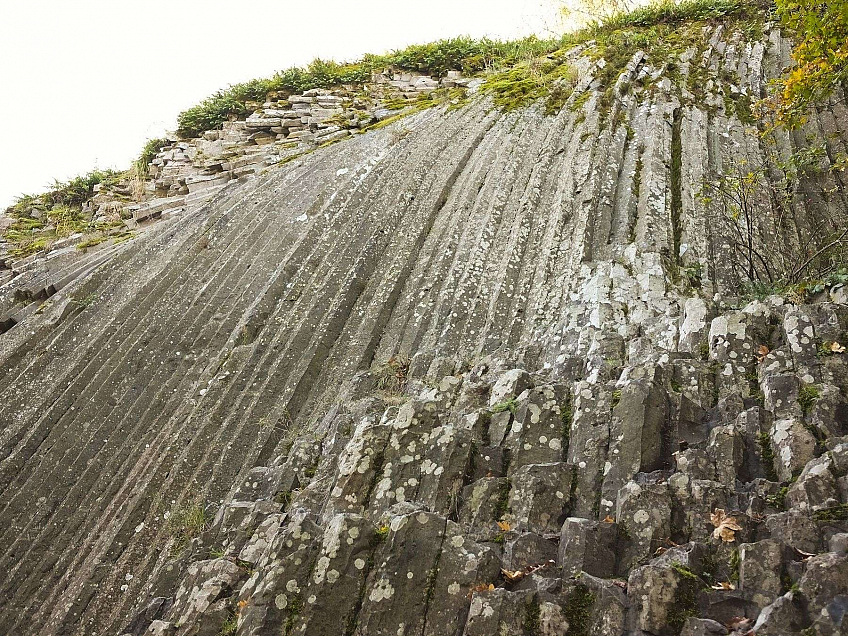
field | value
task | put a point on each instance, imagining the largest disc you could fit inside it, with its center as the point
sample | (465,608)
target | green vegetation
(294,608)
(532,618)
(148,153)
(42,219)
(567,417)
(833,513)
(462,53)
(778,500)
(821,55)
(807,396)
(392,374)
(530,68)
(578,610)
(734,566)
(502,504)
(530,81)
(507,405)
(382,533)
(230,626)
(686,604)
(616,398)
(767,456)
(184,524)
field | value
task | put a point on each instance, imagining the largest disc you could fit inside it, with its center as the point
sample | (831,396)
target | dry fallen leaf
(835,347)
(481,587)
(762,352)
(739,622)
(516,575)
(504,525)
(609,519)
(660,550)
(724,585)
(725,526)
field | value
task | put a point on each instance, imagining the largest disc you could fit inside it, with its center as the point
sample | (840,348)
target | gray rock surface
(442,378)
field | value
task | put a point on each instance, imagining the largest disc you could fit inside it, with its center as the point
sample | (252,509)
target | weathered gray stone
(540,497)
(588,546)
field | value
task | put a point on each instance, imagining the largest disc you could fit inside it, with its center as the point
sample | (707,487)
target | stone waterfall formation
(448,377)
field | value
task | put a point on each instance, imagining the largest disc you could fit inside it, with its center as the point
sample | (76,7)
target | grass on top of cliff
(42,219)
(437,58)
(527,74)
(662,30)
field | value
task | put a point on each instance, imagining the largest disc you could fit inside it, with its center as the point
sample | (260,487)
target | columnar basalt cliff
(474,372)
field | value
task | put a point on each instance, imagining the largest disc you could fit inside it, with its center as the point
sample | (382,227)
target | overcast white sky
(86,82)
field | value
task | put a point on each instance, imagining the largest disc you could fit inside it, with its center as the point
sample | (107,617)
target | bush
(821,27)
(436,58)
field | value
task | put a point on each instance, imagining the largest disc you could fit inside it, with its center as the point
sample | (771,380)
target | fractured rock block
(462,566)
(205,583)
(536,434)
(333,589)
(358,466)
(395,598)
(509,386)
(815,487)
(588,546)
(528,549)
(644,513)
(497,612)
(662,598)
(761,570)
(483,503)
(636,437)
(793,446)
(540,497)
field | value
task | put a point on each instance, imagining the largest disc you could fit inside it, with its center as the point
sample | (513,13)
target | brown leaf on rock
(504,526)
(725,526)
(609,519)
(481,587)
(724,585)
(762,352)
(835,347)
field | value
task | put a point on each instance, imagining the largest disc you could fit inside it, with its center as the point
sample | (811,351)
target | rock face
(445,378)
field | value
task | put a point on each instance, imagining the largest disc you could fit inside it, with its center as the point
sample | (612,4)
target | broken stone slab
(403,576)
(536,434)
(202,182)
(358,466)
(663,597)
(540,497)
(793,447)
(273,595)
(636,437)
(528,550)
(333,590)
(498,611)
(815,487)
(825,577)
(784,616)
(484,502)
(703,627)
(236,522)
(196,603)
(761,570)
(509,386)
(463,566)
(644,516)
(795,529)
(588,546)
